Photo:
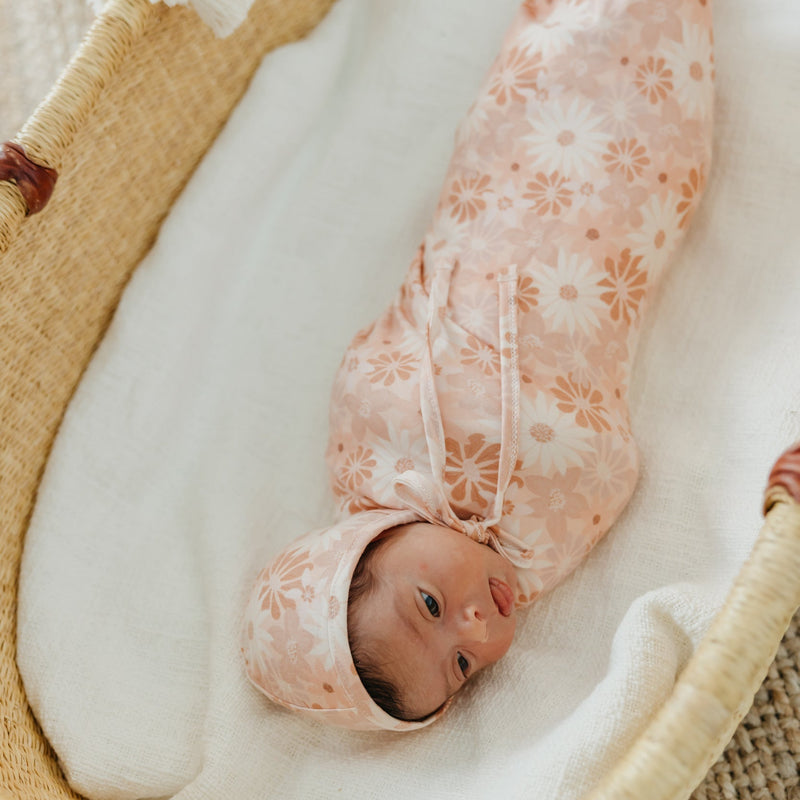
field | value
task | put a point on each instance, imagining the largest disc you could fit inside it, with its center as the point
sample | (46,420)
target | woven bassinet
(125,126)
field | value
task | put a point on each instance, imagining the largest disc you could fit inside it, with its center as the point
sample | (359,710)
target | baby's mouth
(502,595)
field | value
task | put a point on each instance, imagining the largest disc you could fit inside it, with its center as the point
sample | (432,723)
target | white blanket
(193,448)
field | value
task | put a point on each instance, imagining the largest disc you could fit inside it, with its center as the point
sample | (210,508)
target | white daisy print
(586,194)
(557,31)
(654,239)
(549,87)
(574,360)
(474,400)
(692,66)
(567,139)
(609,469)
(486,240)
(606,30)
(569,293)
(475,309)
(549,439)
(401,451)
(507,205)
(445,240)
(620,105)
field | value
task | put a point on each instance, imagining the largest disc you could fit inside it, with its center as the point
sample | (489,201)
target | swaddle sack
(491,397)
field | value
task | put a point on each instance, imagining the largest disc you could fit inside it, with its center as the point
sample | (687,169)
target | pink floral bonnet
(294,638)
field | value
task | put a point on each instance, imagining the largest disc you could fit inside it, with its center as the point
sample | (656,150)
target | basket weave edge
(63,270)
(51,128)
(672,755)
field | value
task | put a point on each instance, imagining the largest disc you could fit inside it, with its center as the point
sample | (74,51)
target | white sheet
(193,448)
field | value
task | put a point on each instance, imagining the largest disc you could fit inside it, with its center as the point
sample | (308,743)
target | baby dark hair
(366,659)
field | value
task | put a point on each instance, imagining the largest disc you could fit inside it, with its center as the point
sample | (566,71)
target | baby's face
(443,608)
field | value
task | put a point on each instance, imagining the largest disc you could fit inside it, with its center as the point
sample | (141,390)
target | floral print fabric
(576,172)
(492,395)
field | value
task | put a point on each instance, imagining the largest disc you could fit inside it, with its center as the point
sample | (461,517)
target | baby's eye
(431,603)
(463,665)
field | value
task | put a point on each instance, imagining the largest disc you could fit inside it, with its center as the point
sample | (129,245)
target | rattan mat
(762,761)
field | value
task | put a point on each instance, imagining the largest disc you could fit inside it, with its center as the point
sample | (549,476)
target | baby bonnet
(294,637)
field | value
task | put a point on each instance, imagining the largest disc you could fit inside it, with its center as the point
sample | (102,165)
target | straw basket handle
(34,181)
(715,690)
(784,479)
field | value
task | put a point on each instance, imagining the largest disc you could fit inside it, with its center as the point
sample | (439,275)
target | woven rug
(762,760)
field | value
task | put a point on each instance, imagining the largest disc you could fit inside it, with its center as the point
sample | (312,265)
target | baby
(480,443)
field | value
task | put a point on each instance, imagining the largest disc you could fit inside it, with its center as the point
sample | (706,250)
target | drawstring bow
(425,494)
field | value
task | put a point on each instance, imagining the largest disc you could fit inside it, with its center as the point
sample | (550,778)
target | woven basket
(137,108)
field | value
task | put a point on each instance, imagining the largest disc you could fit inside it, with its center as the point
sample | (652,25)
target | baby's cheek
(500,645)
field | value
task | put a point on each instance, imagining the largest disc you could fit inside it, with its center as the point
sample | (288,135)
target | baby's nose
(473,625)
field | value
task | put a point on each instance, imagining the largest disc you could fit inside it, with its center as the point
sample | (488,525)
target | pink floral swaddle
(492,395)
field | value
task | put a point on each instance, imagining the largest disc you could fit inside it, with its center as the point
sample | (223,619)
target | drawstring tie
(425,494)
